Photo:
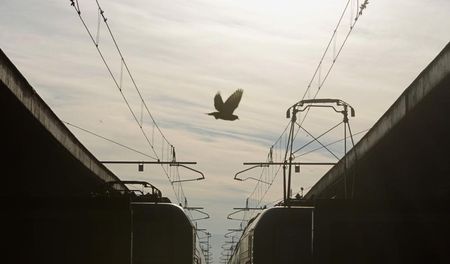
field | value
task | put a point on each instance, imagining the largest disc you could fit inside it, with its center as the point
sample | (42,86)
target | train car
(130,227)
(345,231)
(277,235)
(161,231)
(163,234)
(69,230)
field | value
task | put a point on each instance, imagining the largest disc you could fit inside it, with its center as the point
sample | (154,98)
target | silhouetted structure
(61,205)
(395,206)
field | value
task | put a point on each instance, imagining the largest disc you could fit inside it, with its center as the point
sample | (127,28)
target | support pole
(345,113)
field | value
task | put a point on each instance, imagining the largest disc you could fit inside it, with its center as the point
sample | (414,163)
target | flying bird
(225,110)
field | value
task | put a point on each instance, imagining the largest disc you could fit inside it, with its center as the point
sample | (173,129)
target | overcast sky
(182,52)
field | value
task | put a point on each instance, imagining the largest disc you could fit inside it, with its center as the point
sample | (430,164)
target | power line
(326,50)
(167,150)
(314,150)
(335,56)
(331,143)
(107,139)
(260,194)
(116,82)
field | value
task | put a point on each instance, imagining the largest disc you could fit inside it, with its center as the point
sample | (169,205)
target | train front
(278,235)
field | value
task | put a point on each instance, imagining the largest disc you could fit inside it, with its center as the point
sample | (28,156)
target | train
(161,231)
(346,231)
(131,227)
(270,237)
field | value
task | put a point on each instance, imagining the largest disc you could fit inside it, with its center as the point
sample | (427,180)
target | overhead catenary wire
(117,84)
(336,55)
(107,139)
(321,81)
(172,175)
(269,158)
(314,150)
(331,143)
(333,37)
(315,138)
(256,193)
(129,73)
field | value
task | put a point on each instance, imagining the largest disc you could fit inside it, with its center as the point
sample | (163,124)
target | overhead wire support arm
(225,247)
(231,231)
(172,163)
(251,178)
(203,230)
(267,164)
(235,229)
(189,168)
(293,163)
(199,210)
(238,210)
(230,242)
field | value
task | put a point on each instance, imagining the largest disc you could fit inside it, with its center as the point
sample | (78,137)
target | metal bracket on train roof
(199,210)
(154,191)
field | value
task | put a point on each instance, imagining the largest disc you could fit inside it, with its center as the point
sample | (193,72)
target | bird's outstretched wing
(218,102)
(232,102)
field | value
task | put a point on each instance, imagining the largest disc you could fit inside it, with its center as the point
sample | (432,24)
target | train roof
(275,212)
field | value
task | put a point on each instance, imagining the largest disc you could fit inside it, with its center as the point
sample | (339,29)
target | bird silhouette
(225,110)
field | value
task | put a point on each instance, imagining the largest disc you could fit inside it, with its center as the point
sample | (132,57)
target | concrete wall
(407,144)
(25,116)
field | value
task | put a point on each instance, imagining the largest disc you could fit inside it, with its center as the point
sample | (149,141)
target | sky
(181,53)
